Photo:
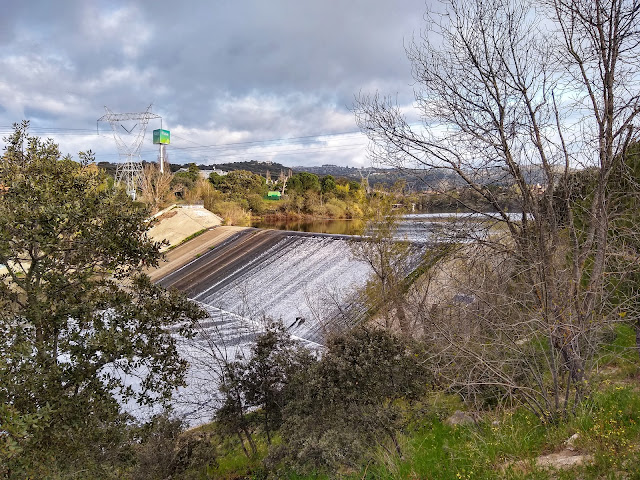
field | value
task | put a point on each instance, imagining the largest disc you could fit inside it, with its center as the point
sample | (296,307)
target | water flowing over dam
(307,281)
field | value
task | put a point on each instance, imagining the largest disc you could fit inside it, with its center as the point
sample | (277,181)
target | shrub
(232,213)
(349,402)
(336,208)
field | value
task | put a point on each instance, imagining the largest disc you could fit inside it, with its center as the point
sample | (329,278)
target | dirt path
(195,247)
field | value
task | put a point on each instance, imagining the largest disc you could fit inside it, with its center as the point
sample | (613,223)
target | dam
(308,281)
(246,277)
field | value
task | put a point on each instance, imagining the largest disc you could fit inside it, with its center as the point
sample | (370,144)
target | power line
(72,131)
(274,152)
(230,150)
(216,145)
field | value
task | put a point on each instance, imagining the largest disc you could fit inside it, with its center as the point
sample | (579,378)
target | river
(415,227)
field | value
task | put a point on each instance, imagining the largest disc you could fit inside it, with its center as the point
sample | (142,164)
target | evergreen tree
(78,320)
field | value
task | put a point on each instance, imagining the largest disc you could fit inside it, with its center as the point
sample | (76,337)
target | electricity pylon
(129,142)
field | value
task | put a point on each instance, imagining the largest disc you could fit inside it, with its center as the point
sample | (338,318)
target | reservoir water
(327,225)
(415,227)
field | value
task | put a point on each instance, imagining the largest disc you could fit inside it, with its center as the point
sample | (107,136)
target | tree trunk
(239,434)
(638,336)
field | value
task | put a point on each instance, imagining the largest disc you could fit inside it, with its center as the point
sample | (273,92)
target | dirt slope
(179,222)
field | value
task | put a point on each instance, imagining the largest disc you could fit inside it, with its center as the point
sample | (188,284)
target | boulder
(460,418)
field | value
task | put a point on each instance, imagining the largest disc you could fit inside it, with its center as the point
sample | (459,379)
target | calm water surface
(336,227)
(418,227)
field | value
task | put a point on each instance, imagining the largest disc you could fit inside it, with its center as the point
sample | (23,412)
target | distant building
(206,173)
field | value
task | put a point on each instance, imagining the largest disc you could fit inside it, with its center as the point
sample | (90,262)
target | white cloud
(218,72)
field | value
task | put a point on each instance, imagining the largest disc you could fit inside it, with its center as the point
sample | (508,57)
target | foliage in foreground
(502,444)
(77,319)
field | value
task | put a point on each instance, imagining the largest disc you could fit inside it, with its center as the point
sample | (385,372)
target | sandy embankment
(175,224)
(186,252)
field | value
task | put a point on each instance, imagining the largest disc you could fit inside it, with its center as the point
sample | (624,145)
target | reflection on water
(416,227)
(335,227)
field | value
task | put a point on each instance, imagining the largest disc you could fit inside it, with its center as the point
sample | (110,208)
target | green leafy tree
(239,183)
(275,357)
(261,382)
(78,320)
(186,180)
(216,179)
(354,186)
(328,184)
(294,185)
(232,415)
(256,203)
(349,401)
(303,182)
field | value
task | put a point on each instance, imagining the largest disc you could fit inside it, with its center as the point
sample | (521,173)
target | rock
(460,418)
(564,459)
(571,442)
(559,460)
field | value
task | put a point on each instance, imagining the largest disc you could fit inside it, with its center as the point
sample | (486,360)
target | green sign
(161,136)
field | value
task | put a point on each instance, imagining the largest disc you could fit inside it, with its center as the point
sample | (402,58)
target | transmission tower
(129,137)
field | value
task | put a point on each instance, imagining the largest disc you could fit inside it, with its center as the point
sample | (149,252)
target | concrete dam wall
(308,281)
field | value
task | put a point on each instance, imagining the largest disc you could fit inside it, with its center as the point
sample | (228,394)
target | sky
(266,80)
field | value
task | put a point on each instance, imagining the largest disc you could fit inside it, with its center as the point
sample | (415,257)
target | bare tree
(388,257)
(156,186)
(513,94)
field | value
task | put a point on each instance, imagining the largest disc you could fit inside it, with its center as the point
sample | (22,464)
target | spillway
(307,281)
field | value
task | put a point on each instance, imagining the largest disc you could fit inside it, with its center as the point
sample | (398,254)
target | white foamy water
(309,283)
(302,281)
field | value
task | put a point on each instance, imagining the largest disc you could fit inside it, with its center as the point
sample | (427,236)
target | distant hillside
(335,170)
(415,180)
(253,166)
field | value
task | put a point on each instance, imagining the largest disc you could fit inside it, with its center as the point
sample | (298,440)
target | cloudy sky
(232,80)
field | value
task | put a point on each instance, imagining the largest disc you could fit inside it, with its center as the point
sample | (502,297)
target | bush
(349,402)
(167,451)
(354,211)
(336,208)
(232,213)
(256,203)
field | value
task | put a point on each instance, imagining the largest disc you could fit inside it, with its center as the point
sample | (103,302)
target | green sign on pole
(161,136)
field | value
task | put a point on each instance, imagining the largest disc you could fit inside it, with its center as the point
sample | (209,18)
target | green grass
(621,351)
(236,464)
(503,443)
(190,237)
(608,425)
